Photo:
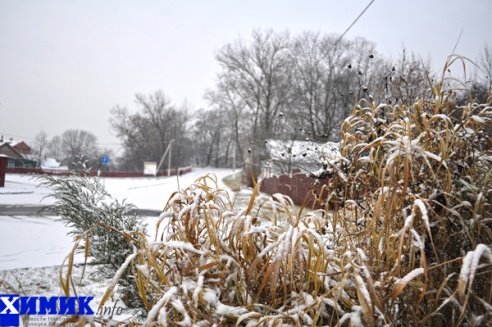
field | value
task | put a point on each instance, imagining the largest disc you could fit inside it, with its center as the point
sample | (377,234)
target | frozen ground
(42,241)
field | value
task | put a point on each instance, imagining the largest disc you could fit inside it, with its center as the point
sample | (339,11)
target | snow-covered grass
(404,237)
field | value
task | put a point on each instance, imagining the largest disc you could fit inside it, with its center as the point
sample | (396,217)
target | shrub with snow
(101,224)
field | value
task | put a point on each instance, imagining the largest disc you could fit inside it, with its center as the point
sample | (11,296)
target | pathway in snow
(43,241)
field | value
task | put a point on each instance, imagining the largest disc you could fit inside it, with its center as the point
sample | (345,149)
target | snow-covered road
(43,241)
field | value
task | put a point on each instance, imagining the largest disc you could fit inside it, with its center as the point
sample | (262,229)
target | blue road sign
(104,160)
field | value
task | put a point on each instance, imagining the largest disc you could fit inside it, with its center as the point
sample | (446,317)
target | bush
(415,181)
(102,223)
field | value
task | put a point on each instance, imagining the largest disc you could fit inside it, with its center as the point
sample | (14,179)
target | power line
(23,137)
(353,23)
(32,138)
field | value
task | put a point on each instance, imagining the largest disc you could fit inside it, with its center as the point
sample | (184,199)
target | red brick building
(22,148)
(18,153)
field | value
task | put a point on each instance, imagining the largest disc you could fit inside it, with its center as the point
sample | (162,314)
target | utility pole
(169,159)
(234,159)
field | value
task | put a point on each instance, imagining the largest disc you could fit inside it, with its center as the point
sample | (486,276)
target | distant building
(288,157)
(50,165)
(18,152)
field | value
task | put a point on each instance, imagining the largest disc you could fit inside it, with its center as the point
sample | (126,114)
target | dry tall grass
(410,246)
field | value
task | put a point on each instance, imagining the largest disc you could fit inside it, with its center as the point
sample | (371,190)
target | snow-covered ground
(43,241)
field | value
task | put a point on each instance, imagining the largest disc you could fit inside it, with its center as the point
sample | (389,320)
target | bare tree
(258,73)
(40,144)
(146,133)
(238,118)
(407,78)
(485,65)
(54,148)
(79,146)
(322,82)
(212,137)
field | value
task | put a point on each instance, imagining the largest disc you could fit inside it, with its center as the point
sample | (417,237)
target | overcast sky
(65,64)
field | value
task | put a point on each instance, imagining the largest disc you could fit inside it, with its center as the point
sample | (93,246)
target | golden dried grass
(409,246)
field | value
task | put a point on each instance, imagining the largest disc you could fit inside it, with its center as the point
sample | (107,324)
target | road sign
(104,160)
(150,168)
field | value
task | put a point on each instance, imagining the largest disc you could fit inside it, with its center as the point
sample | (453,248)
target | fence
(301,188)
(43,171)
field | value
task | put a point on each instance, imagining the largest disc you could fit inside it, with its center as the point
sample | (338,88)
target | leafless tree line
(147,132)
(278,86)
(72,148)
(270,86)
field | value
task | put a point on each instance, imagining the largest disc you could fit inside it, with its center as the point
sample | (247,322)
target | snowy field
(43,241)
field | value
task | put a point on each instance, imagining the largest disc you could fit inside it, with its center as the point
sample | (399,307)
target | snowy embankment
(43,241)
